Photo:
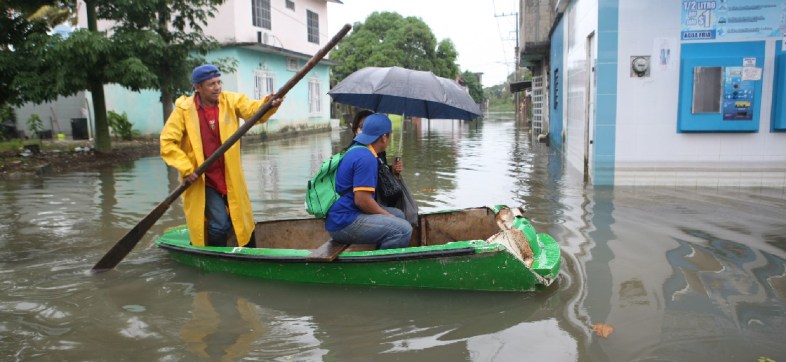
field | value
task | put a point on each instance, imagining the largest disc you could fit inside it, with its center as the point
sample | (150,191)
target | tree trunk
(103,142)
(167,103)
(165,77)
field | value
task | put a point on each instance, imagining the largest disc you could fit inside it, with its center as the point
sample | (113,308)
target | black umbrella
(407,92)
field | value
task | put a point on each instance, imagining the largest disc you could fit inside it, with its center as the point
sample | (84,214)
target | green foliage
(500,98)
(473,85)
(7,118)
(35,124)
(388,39)
(120,125)
(21,43)
(153,45)
(167,37)
(90,56)
(11,145)
(7,113)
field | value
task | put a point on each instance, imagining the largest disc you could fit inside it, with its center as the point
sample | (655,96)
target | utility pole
(515,58)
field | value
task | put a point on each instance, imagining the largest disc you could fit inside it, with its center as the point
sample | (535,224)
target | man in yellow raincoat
(217,205)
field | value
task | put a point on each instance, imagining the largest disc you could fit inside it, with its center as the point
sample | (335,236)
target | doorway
(589,109)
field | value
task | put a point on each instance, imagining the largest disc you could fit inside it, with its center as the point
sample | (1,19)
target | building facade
(666,92)
(270,39)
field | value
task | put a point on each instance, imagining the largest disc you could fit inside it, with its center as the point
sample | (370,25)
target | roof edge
(276,50)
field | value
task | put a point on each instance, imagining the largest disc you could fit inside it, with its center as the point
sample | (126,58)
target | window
(707,89)
(556,88)
(264,83)
(313,26)
(290,5)
(293,64)
(260,13)
(314,96)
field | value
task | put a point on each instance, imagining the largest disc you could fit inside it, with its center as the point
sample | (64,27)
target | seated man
(357,218)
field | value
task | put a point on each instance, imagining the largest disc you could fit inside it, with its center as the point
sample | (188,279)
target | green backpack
(321,190)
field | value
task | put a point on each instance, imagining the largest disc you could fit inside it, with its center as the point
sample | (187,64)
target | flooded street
(680,274)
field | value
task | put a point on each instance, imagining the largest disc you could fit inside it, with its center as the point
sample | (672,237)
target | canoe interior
(485,248)
(434,229)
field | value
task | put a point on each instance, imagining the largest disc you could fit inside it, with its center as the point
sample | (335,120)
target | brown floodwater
(680,274)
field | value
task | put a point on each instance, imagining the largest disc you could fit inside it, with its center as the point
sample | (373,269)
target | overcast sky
(485,43)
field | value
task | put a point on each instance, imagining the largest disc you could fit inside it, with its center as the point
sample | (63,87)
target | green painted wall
(144,108)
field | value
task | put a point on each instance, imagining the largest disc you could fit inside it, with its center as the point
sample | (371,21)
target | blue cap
(374,126)
(204,72)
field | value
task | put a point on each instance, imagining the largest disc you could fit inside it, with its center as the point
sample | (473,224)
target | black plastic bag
(389,186)
(407,204)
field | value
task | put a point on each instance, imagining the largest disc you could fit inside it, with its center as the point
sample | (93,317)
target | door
(589,109)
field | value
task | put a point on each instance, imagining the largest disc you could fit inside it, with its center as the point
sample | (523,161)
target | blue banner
(732,19)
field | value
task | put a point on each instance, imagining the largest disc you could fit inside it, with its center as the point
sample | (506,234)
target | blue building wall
(606,94)
(779,94)
(145,111)
(296,106)
(558,75)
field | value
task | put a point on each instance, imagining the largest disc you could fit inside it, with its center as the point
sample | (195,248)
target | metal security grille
(538,101)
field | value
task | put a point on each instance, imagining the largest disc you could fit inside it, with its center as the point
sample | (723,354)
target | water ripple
(668,268)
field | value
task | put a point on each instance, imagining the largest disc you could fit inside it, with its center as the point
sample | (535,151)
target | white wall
(65,108)
(233,24)
(228,19)
(296,38)
(581,20)
(649,151)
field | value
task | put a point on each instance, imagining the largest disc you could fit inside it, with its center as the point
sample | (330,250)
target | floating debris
(134,308)
(602,329)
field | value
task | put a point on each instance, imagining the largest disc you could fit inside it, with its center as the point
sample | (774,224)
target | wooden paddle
(124,245)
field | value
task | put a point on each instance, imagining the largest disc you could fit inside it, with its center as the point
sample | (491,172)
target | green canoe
(491,249)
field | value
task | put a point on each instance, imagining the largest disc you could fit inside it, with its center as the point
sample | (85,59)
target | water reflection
(681,274)
(336,323)
(678,291)
(222,327)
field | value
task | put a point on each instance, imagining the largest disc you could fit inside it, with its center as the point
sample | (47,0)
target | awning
(520,86)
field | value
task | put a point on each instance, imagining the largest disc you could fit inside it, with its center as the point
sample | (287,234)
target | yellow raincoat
(181,148)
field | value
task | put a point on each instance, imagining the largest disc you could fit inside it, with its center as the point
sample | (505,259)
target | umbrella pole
(401,136)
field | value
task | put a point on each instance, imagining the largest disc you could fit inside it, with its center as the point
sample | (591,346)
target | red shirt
(211,141)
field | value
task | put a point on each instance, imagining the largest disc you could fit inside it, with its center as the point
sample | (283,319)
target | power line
(501,40)
(499,30)
(516,14)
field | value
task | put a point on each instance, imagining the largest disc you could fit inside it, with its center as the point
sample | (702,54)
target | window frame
(264,82)
(261,16)
(314,96)
(312,26)
(293,64)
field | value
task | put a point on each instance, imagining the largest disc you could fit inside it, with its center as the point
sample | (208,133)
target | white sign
(662,58)
(751,73)
(748,62)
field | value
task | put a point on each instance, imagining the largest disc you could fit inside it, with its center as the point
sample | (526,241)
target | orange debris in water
(602,329)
